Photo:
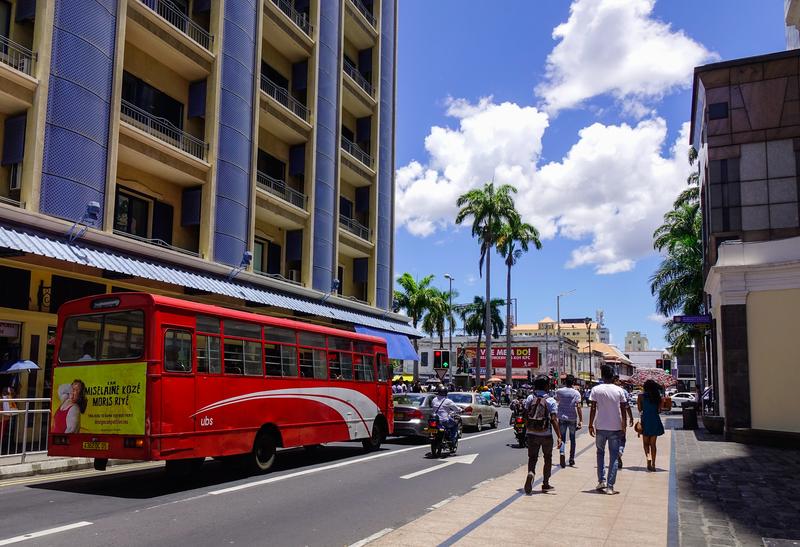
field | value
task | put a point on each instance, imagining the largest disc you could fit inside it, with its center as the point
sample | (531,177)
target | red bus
(145,377)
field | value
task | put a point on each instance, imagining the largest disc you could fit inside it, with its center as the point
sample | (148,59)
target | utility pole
(588,321)
(450,278)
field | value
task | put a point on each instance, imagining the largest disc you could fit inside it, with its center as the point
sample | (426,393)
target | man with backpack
(541,412)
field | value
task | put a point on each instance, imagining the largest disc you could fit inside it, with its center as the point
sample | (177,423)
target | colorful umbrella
(656,374)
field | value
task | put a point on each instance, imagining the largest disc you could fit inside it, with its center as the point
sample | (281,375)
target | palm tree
(414,298)
(513,241)
(488,207)
(439,313)
(474,317)
(692,194)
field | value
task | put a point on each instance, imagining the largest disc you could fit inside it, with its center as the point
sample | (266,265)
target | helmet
(441,390)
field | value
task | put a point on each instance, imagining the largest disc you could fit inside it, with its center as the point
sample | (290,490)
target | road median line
(42,533)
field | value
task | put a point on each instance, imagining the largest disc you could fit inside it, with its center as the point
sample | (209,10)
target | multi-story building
(636,341)
(577,330)
(746,128)
(239,153)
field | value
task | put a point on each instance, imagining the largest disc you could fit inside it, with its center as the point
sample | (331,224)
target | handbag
(666,403)
(637,427)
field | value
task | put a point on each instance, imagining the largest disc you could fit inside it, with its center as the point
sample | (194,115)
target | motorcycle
(439,438)
(519,431)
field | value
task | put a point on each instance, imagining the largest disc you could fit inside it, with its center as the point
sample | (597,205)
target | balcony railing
(156,242)
(352,148)
(364,11)
(163,130)
(16,56)
(278,277)
(280,189)
(298,17)
(180,21)
(351,70)
(354,227)
(281,95)
(13,202)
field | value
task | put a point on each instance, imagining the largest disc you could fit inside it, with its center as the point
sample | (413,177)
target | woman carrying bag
(649,403)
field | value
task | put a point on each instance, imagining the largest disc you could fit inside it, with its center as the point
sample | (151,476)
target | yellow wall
(276,60)
(275,147)
(773,362)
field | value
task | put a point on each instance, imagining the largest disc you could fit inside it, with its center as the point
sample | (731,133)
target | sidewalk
(572,514)
(41,464)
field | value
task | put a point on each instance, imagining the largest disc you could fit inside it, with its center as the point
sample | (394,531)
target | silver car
(411,413)
(474,410)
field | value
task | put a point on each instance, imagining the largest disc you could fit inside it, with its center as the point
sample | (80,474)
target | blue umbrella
(19,366)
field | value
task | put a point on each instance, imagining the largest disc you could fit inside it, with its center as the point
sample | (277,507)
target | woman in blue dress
(649,403)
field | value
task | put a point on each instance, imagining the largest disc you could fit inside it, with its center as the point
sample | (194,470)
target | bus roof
(160,301)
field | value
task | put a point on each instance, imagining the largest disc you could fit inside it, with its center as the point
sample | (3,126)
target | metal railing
(364,11)
(23,430)
(354,150)
(351,70)
(180,21)
(157,242)
(162,129)
(282,95)
(354,227)
(278,277)
(280,189)
(9,201)
(298,17)
(16,56)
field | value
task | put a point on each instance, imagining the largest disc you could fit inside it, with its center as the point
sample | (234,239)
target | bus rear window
(103,337)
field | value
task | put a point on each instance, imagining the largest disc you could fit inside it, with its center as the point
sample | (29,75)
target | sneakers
(529,483)
(572,463)
(619,462)
(563,461)
(610,491)
(601,486)
(546,487)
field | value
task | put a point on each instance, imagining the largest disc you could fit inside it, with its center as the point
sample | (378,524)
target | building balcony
(289,30)
(16,72)
(286,117)
(358,96)
(360,25)
(157,243)
(171,37)
(365,13)
(172,15)
(354,238)
(351,70)
(355,151)
(354,227)
(280,189)
(156,146)
(12,202)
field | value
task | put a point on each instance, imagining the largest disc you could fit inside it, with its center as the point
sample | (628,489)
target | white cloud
(616,47)
(658,318)
(609,192)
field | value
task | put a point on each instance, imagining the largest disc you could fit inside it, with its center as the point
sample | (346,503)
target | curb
(46,467)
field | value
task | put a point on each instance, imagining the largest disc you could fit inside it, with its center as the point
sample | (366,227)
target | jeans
(564,426)
(622,440)
(451,426)
(613,439)
(546,444)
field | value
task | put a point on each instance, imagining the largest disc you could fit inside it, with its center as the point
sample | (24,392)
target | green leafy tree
(414,297)
(513,240)
(473,315)
(488,207)
(439,315)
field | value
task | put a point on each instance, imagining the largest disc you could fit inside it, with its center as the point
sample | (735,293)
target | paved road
(334,496)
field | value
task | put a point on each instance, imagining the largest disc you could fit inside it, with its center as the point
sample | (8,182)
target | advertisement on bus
(108,399)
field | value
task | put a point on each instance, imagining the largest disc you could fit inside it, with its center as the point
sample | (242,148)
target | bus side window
(208,358)
(384,368)
(177,351)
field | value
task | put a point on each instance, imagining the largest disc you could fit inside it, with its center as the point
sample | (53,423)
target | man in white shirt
(607,424)
(445,410)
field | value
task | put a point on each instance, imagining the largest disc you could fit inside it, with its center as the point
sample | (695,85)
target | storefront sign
(521,357)
(99,399)
(9,330)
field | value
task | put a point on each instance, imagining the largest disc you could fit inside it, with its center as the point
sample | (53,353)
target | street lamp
(588,322)
(558,318)
(450,278)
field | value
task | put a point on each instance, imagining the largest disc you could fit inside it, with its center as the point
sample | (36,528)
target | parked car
(679,398)
(474,411)
(411,413)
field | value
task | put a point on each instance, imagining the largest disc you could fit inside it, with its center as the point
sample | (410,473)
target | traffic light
(437,359)
(445,359)
(668,366)
(659,363)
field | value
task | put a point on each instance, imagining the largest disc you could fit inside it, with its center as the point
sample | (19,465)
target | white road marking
(442,503)
(466,459)
(371,538)
(49,531)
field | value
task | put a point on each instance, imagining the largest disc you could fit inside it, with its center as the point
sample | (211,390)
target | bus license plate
(94,445)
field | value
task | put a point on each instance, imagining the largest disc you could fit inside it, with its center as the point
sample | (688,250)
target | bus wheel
(263,455)
(100,464)
(375,440)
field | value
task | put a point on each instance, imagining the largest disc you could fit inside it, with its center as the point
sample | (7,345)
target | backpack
(538,417)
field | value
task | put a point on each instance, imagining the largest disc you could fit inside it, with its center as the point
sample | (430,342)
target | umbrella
(656,374)
(20,366)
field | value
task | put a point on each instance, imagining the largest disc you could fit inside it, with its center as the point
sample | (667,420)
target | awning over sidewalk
(51,247)
(398,345)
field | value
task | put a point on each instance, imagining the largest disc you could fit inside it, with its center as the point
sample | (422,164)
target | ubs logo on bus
(205,421)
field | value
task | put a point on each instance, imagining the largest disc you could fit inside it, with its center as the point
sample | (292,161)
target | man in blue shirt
(541,411)
(570,417)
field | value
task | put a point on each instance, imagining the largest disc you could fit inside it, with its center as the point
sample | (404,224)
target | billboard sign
(521,356)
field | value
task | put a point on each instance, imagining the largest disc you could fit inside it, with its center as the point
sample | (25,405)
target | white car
(681,397)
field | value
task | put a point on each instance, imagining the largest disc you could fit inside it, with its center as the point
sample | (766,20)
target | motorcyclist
(445,409)
(517,406)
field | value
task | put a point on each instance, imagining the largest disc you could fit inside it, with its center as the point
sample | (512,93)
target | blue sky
(587,124)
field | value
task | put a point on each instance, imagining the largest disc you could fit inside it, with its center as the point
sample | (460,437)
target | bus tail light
(60,440)
(132,442)
(467,411)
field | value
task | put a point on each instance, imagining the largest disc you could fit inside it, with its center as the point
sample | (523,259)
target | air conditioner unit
(294,275)
(15,178)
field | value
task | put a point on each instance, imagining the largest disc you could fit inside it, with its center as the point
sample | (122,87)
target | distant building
(649,358)
(574,329)
(636,341)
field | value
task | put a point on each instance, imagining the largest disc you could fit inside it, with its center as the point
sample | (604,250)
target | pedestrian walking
(629,412)
(508,394)
(652,428)
(570,417)
(541,412)
(8,420)
(607,425)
